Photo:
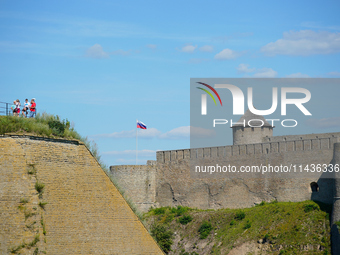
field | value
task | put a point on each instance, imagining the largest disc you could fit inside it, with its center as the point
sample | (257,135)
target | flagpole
(136,141)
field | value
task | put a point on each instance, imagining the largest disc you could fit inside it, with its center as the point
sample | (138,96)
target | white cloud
(265,73)
(324,123)
(189,48)
(177,133)
(226,54)
(334,73)
(152,46)
(297,75)
(96,51)
(258,73)
(206,48)
(304,43)
(244,68)
(185,132)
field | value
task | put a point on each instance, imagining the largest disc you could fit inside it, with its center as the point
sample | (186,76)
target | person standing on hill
(13,108)
(17,107)
(32,108)
(26,108)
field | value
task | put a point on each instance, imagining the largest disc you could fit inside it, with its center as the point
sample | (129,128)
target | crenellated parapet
(278,146)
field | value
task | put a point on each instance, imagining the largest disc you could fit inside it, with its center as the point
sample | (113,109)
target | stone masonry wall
(84,214)
(139,181)
(175,186)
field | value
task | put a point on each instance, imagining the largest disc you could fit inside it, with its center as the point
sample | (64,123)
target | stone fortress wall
(80,211)
(167,182)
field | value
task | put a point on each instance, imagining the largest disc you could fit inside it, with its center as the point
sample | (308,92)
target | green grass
(39,186)
(185,219)
(205,229)
(42,204)
(291,225)
(47,125)
(163,236)
(43,225)
(338,224)
(34,241)
(29,245)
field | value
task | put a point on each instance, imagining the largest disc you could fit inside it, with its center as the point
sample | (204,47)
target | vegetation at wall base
(163,236)
(276,228)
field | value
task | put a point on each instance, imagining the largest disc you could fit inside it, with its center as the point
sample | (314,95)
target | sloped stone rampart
(80,212)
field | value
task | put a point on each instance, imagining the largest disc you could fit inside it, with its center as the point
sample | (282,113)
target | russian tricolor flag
(141,125)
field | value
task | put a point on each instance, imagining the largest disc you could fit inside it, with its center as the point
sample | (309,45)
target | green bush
(310,207)
(247,225)
(185,219)
(39,187)
(162,236)
(240,215)
(57,127)
(205,229)
(158,211)
(179,210)
(169,218)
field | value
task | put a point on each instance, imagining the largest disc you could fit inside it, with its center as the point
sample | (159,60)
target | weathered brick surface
(140,181)
(85,213)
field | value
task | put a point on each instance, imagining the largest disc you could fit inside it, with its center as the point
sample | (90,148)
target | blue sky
(104,64)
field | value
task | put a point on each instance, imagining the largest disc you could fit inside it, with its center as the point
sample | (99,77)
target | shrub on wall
(185,219)
(205,229)
(163,236)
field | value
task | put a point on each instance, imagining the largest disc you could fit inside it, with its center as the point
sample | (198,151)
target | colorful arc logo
(204,97)
(213,90)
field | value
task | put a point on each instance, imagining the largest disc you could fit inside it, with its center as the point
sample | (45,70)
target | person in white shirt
(26,108)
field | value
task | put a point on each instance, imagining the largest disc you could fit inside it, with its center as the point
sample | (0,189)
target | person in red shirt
(32,108)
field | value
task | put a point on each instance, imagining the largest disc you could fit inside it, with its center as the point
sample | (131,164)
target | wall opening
(314,186)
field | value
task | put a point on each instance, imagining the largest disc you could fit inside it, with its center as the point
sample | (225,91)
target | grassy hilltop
(269,228)
(43,125)
(46,125)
